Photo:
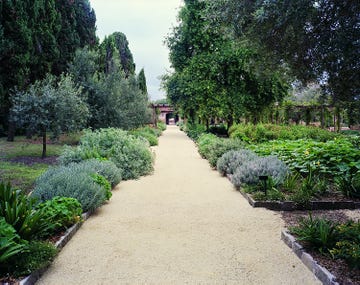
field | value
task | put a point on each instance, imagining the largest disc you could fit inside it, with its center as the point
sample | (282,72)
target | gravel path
(183,225)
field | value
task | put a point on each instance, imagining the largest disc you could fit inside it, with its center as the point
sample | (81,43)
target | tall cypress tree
(15,52)
(141,79)
(117,43)
(77,30)
(39,37)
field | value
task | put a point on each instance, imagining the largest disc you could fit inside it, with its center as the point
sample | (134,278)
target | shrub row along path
(185,224)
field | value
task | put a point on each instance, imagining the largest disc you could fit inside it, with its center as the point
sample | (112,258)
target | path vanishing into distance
(185,224)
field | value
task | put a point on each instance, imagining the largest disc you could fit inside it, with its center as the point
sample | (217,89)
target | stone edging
(320,272)
(70,232)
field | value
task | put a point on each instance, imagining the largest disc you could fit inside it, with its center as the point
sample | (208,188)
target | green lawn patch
(24,147)
(20,175)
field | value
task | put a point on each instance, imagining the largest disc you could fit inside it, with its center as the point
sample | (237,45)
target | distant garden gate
(165,113)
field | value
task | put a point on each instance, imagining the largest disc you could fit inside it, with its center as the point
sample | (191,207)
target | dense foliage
(64,212)
(71,181)
(24,224)
(39,37)
(115,95)
(215,76)
(150,134)
(331,158)
(50,106)
(249,172)
(212,147)
(340,240)
(265,132)
(318,40)
(231,160)
(129,153)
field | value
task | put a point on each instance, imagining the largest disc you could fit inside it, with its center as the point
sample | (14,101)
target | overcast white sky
(145,24)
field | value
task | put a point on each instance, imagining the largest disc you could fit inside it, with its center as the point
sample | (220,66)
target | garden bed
(328,270)
(292,206)
(59,241)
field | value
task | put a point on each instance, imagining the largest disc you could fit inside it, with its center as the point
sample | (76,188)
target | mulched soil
(339,268)
(31,160)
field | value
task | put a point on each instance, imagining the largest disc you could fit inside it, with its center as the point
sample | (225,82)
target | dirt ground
(185,224)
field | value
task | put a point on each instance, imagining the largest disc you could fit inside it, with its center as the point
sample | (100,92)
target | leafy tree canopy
(50,106)
(318,40)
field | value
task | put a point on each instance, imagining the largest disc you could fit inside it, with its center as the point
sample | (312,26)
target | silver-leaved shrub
(231,160)
(129,153)
(76,180)
(249,172)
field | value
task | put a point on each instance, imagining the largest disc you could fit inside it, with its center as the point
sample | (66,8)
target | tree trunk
(29,133)
(11,132)
(338,118)
(230,122)
(322,117)
(43,133)
(307,116)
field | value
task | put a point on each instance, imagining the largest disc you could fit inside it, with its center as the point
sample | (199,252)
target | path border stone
(320,272)
(292,206)
(70,232)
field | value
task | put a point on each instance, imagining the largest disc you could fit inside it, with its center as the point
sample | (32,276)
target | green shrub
(340,240)
(106,168)
(204,141)
(181,125)
(72,181)
(129,153)
(103,167)
(103,182)
(150,136)
(194,130)
(272,195)
(349,251)
(63,212)
(161,126)
(349,184)
(266,132)
(38,255)
(331,158)
(219,147)
(317,233)
(219,130)
(18,211)
(10,242)
(348,246)
(231,160)
(249,172)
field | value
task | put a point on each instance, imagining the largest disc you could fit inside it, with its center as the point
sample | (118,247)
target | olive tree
(50,105)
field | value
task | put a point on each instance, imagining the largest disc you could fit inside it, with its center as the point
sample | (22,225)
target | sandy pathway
(183,225)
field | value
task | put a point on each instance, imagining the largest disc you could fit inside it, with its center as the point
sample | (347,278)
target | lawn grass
(23,147)
(20,175)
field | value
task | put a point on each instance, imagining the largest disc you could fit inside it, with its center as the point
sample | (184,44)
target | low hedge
(129,153)
(76,180)
(267,132)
